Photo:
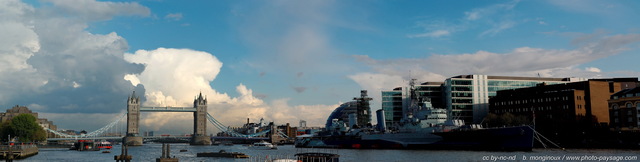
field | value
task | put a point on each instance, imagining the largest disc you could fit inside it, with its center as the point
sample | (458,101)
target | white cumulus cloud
(172,77)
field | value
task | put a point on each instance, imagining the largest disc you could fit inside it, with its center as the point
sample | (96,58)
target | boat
(317,156)
(222,153)
(106,151)
(183,150)
(216,143)
(104,145)
(262,145)
(422,127)
(84,145)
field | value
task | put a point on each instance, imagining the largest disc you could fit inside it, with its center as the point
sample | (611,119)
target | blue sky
(290,60)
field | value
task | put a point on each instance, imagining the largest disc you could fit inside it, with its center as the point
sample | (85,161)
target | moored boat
(222,153)
(422,127)
(262,145)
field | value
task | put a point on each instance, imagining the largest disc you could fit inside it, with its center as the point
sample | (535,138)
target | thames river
(149,152)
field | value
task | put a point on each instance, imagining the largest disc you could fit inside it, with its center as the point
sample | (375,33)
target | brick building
(568,112)
(569,101)
(624,109)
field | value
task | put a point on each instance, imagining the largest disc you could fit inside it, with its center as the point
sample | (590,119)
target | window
(629,105)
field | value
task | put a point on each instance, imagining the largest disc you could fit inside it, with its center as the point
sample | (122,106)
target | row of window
(542,108)
(538,100)
(629,112)
(517,83)
(629,119)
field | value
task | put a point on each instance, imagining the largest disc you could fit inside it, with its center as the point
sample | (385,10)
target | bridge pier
(132,141)
(200,140)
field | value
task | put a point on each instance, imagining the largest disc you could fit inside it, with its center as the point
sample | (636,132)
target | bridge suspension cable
(225,129)
(90,134)
(282,134)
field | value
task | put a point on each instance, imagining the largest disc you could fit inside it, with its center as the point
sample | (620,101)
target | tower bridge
(200,118)
(199,110)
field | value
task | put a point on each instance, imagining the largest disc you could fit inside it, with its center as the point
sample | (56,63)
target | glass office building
(397,100)
(392,106)
(467,96)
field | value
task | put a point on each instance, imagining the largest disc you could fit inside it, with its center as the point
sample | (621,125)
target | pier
(17,151)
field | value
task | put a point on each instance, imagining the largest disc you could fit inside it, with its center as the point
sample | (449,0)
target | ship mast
(414,99)
(363,110)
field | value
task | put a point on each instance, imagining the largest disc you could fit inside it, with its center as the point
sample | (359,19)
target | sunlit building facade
(467,96)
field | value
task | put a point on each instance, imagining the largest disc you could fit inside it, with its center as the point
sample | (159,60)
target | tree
(5,130)
(25,127)
(492,120)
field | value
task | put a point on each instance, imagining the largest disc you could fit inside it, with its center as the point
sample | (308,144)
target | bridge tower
(133,119)
(199,136)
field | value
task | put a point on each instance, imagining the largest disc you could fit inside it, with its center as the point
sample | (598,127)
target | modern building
(359,106)
(17,110)
(392,105)
(396,100)
(341,113)
(624,110)
(557,107)
(467,96)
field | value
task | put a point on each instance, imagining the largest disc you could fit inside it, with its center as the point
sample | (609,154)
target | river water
(149,152)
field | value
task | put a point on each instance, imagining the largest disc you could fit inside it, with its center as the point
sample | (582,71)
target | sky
(75,62)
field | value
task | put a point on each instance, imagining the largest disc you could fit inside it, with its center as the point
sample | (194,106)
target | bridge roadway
(157,137)
(168,109)
(114,138)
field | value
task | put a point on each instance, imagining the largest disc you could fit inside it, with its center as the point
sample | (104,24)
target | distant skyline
(288,60)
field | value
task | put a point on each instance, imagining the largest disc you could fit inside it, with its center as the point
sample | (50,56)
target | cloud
(60,69)
(523,61)
(499,27)
(492,19)
(608,8)
(174,16)
(299,89)
(179,72)
(56,64)
(593,69)
(172,77)
(98,11)
(297,38)
(433,34)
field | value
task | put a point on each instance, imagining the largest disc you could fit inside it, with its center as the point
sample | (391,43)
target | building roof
(626,92)
(19,109)
(514,78)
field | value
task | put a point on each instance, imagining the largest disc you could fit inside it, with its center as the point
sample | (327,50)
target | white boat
(262,145)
